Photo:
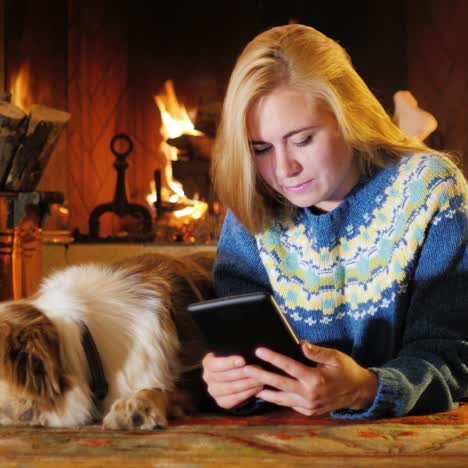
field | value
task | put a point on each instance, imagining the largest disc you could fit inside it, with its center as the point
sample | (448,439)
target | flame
(20,88)
(152,196)
(175,118)
(196,211)
(175,122)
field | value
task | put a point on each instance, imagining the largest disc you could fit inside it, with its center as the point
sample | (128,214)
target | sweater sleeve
(238,268)
(430,373)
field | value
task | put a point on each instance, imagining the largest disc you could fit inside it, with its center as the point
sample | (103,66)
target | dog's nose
(137,419)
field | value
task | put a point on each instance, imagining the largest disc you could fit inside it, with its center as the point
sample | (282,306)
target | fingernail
(260,352)
(238,362)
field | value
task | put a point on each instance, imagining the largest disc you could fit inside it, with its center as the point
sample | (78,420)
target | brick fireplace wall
(103,61)
(438,68)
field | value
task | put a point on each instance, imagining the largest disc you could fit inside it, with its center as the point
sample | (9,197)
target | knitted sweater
(383,277)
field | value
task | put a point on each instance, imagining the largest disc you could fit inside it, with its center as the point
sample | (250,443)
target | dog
(106,342)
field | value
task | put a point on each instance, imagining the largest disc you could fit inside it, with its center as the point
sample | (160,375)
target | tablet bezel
(230,325)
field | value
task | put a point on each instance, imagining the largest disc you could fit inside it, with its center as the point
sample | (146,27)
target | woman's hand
(227,382)
(337,382)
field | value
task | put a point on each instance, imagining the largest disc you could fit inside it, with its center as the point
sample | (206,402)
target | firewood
(44,129)
(207,118)
(193,146)
(13,124)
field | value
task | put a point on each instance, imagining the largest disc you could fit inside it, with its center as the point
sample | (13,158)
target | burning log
(207,118)
(199,146)
(194,146)
(32,155)
(13,124)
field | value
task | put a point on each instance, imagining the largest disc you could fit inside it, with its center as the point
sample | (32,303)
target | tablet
(240,324)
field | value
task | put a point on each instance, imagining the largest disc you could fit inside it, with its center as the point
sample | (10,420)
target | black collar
(98,383)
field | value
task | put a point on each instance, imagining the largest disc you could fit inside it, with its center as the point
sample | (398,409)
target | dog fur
(149,347)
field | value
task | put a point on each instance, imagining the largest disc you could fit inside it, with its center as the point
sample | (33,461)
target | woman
(358,231)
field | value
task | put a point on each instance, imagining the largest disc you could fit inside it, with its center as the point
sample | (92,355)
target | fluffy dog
(105,341)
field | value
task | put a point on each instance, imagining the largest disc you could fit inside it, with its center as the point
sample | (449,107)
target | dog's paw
(21,412)
(136,413)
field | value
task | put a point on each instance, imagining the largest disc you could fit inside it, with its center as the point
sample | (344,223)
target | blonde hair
(303,58)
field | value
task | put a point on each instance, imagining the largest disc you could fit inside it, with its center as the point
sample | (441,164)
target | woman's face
(299,150)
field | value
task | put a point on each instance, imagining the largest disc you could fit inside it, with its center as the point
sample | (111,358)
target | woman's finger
(231,388)
(226,376)
(231,401)
(277,381)
(293,368)
(214,363)
(281,398)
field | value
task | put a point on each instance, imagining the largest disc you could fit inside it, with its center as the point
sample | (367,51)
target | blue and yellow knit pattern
(360,259)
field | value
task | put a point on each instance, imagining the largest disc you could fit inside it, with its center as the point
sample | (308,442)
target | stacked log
(192,146)
(26,144)
(199,146)
(13,123)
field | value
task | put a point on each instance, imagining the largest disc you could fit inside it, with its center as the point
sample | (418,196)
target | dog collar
(98,383)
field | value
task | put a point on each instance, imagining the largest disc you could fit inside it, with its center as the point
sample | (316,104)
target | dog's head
(30,365)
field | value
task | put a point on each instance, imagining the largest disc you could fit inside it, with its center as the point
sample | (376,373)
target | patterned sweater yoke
(356,260)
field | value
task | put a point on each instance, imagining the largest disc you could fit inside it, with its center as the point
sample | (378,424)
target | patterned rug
(280,438)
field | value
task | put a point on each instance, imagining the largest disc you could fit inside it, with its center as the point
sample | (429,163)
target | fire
(196,211)
(152,197)
(175,122)
(21,89)
(20,95)
(174,115)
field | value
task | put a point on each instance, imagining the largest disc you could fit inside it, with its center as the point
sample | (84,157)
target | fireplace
(105,61)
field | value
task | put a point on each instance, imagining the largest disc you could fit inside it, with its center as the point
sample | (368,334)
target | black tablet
(240,324)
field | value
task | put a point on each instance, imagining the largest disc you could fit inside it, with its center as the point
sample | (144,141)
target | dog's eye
(27,415)
(13,354)
(38,367)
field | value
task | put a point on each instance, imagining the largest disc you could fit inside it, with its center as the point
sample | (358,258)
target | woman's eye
(305,141)
(259,150)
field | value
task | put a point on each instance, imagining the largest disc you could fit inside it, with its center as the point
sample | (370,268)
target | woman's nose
(286,165)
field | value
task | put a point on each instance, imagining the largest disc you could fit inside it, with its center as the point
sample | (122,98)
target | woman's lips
(298,188)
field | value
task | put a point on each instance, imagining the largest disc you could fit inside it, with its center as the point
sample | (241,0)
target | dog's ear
(31,354)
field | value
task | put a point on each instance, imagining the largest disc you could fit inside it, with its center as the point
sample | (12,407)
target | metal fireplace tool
(120,205)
